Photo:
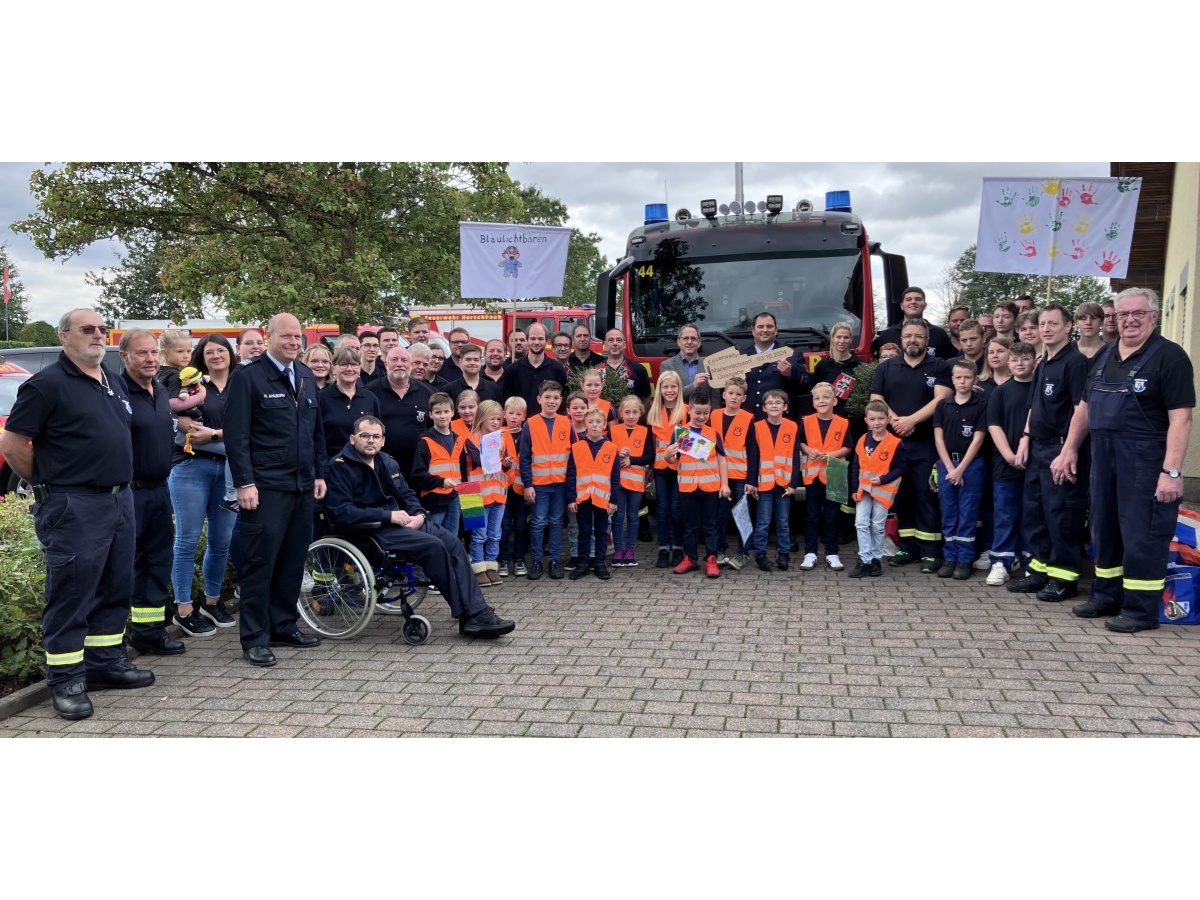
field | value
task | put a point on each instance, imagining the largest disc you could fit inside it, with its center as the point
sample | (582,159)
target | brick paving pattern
(652,654)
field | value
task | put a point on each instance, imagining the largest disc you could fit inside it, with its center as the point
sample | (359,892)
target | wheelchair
(348,576)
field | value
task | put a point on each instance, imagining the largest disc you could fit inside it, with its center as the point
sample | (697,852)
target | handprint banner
(507,262)
(1057,226)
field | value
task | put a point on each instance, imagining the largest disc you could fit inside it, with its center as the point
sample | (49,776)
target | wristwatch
(1171,473)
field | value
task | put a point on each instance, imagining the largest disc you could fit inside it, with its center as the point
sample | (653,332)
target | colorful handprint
(1064,199)
(1052,251)
(1007,197)
(1109,261)
(1028,248)
(1078,250)
(1056,223)
(1125,185)
(1114,229)
(1034,198)
(1002,243)
(1050,186)
(1027,226)
(1081,224)
(1087,194)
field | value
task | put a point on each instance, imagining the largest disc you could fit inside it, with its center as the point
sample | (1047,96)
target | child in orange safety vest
(877,467)
(439,463)
(593,470)
(703,483)
(514,530)
(774,470)
(485,542)
(736,428)
(825,437)
(635,446)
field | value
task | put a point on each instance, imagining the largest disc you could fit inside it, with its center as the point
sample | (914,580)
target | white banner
(508,262)
(1057,226)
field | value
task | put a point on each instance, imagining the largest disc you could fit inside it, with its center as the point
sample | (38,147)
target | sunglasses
(94,329)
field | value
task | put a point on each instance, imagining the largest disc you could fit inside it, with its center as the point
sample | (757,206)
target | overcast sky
(928,212)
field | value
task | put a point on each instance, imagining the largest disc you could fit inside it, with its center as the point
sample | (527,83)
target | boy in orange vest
(703,483)
(593,470)
(825,437)
(514,530)
(774,461)
(544,450)
(438,465)
(877,467)
(736,429)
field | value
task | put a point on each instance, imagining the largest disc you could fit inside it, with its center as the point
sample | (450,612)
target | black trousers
(152,557)
(444,560)
(917,507)
(274,541)
(700,512)
(593,532)
(1055,515)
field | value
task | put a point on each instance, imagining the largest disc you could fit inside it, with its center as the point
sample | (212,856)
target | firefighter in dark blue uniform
(1138,410)
(912,386)
(276,451)
(77,417)
(1054,513)
(787,375)
(153,432)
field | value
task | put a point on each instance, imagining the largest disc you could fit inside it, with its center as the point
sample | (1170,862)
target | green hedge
(22,583)
(13,345)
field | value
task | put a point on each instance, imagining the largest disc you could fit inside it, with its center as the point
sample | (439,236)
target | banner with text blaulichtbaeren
(507,262)
(1057,226)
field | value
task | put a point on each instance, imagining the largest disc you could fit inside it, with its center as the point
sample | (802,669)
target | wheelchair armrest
(354,529)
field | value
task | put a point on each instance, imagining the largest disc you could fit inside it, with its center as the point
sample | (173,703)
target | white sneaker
(810,560)
(998,575)
(834,561)
(983,563)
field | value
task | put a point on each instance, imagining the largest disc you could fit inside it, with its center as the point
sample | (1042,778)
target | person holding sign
(826,437)
(688,363)
(492,456)
(703,483)
(778,376)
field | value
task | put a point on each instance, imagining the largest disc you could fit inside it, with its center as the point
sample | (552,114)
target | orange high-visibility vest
(701,474)
(877,463)
(775,456)
(593,474)
(734,438)
(664,437)
(550,449)
(835,437)
(493,486)
(444,464)
(604,406)
(510,450)
(458,426)
(633,478)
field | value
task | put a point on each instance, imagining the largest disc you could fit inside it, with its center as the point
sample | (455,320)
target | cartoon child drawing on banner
(510,264)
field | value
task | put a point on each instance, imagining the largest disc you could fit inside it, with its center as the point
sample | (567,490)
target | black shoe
(572,563)
(930,565)
(1126,625)
(676,556)
(963,571)
(876,569)
(556,570)
(1057,591)
(763,563)
(793,546)
(782,561)
(231,505)
(195,625)
(535,570)
(580,570)
(485,624)
(1030,584)
(72,702)
(901,558)
(124,675)
(217,614)
(860,571)
(1095,609)
(158,646)
(601,571)
(946,571)
(664,560)
(259,656)
(295,639)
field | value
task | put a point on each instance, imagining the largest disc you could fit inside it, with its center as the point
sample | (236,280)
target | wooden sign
(732,362)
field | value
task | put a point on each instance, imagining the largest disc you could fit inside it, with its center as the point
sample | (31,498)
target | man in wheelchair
(365,487)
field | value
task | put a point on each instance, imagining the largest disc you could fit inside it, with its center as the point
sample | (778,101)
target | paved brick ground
(651,654)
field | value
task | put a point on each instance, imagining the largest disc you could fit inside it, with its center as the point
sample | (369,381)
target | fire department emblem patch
(1049,390)
(1139,385)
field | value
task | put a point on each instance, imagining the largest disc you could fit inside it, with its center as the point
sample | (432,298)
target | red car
(11,377)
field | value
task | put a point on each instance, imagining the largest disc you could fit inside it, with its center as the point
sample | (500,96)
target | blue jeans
(625,525)
(514,530)
(773,505)
(485,542)
(548,506)
(870,517)
(450,517)
(1008,540)
(960,511)
(668,512)
(197,489)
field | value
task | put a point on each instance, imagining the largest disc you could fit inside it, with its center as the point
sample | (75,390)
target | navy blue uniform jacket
(358,494)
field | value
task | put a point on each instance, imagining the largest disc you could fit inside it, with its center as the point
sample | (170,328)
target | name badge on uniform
(274,396)
(1139,385)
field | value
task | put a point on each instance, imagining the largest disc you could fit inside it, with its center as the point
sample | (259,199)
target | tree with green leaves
(39,334)
(17,308)
(135,289)
(329,242)
(961,285)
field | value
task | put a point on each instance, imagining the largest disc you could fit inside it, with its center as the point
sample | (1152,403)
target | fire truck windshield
(808,292)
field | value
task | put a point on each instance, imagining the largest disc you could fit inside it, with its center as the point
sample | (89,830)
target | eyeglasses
(460,341)
(1111,315)
(1137,314)
(94,329)
(362,436)
(349,365)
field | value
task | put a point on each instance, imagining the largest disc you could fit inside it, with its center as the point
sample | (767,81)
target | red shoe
(713,569)
(688,565)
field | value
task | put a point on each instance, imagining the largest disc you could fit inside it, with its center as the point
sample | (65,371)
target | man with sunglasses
(460,340)
(69,435)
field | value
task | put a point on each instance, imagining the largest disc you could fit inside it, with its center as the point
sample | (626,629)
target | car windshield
(8,391)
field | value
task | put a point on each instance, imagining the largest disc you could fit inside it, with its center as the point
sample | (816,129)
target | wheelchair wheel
(338,596)
(416,631)
(390,605)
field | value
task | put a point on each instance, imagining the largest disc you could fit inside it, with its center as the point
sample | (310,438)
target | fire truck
(722,268)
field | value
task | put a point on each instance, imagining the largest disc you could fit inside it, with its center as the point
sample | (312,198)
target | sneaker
(217,614)
(231,505)
(676,556)
(834,562)
(581,570)
(712,568)
(601,571)
(737,562)
(664,559)
(782,560)
(556,570)
(763,563)
(485,624)
(1030,584)
(571,564)
(723,559)
(1126,625)
(520,569)
(998,575)
(1095,609)
(930,565)
(876,569)
(535,570)
(630,559)
(946,570)
(195,624)
(1056,591)
(809,561)
(502,569)
(860,571)
(687,564)
(901,558)
(984,563)
(963,571)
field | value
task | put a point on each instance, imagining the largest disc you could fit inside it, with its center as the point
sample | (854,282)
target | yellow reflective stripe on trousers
(1061,574)
(1036,565)
(926,535)
(1110,573)
(908,532)
(146,615)
(103,640)
(1137,584)
(64,659)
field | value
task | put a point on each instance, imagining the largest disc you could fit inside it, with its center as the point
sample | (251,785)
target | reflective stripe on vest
(633,478)
(443,464)
(550,451)
(878,463)
(734,438)
(835,436)
(593,474)
(701,474)
(775,456)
